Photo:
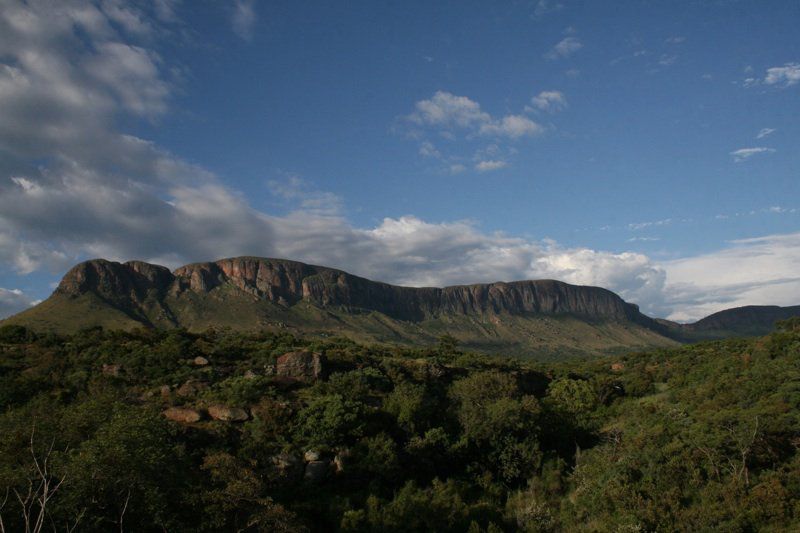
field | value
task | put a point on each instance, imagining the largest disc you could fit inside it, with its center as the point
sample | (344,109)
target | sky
(650,148)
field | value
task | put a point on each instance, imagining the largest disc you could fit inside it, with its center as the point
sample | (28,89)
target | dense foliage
(699,438)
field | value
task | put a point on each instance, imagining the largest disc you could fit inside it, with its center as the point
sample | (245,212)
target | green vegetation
(542,336)
(696,438)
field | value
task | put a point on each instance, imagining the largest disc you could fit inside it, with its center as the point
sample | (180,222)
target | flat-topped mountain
(287,283)
(542,317)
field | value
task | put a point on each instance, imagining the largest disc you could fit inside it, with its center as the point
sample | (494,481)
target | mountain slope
(543,317)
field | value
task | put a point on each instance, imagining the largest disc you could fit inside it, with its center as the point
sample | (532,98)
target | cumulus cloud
(244,19)
(781,77)
(785,76)
(549,101)
(743,154)
(512,126)
(448,110)
(13,301)
(564,48)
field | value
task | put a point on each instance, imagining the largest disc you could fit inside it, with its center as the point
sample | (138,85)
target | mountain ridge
(253,293)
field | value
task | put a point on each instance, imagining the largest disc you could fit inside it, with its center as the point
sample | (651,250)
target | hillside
(157,430)
(544,318)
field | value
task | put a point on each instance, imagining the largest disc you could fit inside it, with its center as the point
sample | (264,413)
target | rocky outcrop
(301,365)
(129,282)
(227,414)
(184,415)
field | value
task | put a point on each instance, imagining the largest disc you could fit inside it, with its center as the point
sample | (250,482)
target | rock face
(227,414)
(289,282)
(301,365)
(182,414)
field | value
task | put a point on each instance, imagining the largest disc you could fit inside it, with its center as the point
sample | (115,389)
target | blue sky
(650,148)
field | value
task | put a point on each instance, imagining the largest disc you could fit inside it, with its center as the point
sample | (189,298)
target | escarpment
(286,283)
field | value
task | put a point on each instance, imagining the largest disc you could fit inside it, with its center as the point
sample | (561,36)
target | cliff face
(119,283)
(289,282)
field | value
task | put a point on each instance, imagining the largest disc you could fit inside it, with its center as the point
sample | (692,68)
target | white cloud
(549,101)
(564,48)
(675,39)
(132,74)
(489,165)
(13,301)
(743,154)
(448,110)
(764,132)
(462,121)
(244,19)
(512,126)
(758,271)
(785,76)
(782,77)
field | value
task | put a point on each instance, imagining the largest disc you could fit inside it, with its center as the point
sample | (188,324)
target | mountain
(544,318)
(747,321)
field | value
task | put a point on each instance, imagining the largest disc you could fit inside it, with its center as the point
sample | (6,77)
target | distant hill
(543,318)
(747,321)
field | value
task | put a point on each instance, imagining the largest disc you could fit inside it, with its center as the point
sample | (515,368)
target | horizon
(418,145)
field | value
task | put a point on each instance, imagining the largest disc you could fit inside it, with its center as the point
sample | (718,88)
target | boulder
(249,374)
(227,414)
(200,361)
(617,367)
(311,455)
(301,365)
(184,415)
(316,471)
(164,391)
